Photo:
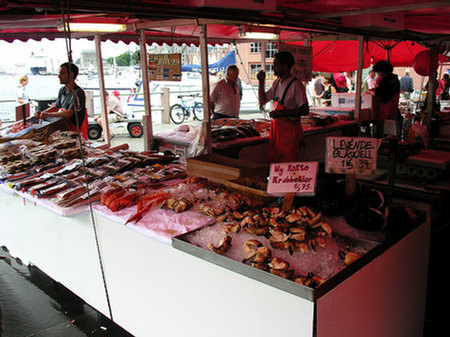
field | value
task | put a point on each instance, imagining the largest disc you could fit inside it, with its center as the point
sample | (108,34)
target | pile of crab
(298,230)
(261,257)
(193,193)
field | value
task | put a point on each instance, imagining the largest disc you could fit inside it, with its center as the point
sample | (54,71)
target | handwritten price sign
(351,155)
(299,178)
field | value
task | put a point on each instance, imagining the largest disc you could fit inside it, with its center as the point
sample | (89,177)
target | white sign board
(351,155)
(299,178)
(302,68)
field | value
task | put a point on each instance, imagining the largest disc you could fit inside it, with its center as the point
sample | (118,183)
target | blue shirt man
(406,84)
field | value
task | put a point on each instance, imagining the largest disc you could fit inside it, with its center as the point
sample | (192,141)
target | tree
(123,60)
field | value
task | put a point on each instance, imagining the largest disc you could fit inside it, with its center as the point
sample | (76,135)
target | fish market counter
(255,148)
(158,289)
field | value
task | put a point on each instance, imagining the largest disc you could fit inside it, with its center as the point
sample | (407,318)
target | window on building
(255,47)
(256,67)
(271,49)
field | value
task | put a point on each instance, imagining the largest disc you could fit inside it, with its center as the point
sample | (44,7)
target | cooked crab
(223,246)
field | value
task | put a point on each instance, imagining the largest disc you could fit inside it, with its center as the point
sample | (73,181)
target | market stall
(129,271)
(149,260)
(152,285)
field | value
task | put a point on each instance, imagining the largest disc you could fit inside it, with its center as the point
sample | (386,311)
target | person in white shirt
(22,96)
(225,97)
(368,85)
(289,104)
(115,113)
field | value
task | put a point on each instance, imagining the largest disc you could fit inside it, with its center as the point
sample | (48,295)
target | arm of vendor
(301,107)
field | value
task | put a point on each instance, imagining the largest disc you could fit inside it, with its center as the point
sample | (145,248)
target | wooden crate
(254,189)
(220,169)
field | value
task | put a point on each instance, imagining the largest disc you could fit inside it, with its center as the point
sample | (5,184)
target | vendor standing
(289,104)
(387,94)
(71,101)
(225,97)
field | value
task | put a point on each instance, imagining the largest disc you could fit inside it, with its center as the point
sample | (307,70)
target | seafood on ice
(300,229)
(348,257)
(196,194)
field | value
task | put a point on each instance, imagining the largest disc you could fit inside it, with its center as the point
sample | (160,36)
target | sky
(19,51)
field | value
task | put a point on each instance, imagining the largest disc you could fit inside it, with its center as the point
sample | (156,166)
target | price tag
(299,178)
(351,155)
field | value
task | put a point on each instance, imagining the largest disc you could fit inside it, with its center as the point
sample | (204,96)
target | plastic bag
(421,134)
(198,144)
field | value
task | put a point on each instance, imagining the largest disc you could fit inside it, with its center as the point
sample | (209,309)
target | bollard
(90,103)
(165,103)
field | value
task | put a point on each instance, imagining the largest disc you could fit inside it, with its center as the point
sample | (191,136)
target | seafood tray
(51,125)
(220,169)
(368,249)
(252,188)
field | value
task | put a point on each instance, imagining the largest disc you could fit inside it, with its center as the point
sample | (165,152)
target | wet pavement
(32,304)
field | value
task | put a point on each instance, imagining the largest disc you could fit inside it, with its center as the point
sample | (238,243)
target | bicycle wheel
(198,111)
(177,113)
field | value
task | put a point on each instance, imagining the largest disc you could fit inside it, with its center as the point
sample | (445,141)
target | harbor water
(40,87)
(45,87)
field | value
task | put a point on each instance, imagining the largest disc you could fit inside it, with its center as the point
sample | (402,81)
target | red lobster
(146,203)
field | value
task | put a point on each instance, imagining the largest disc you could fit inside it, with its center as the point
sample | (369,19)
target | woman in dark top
(330,88)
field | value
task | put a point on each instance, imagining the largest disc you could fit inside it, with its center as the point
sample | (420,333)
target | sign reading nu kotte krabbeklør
(351,155)
(297,177)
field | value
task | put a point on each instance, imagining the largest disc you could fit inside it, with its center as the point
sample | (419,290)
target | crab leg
(138,216)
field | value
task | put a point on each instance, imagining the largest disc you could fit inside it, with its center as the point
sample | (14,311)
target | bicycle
(179,112)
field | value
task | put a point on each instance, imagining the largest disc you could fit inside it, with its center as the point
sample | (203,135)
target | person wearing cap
(387,94)
(22,96)
(406,85)
(115,113)
(290,103)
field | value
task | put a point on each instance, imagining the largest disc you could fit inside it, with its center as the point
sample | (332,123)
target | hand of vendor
(38,113)
(261,75)
(41,114)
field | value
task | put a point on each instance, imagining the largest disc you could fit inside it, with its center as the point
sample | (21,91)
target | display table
(255,148)
(155,289)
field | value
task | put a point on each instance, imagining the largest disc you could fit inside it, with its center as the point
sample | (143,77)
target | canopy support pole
(205,86)
(147,118)
(359,78)
(101,86)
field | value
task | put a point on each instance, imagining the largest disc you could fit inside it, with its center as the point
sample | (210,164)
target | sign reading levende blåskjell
(298,178)
(351,155)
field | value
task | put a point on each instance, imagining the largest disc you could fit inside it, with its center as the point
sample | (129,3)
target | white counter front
(155,289)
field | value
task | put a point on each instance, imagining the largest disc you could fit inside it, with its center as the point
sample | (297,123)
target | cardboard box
(221,169)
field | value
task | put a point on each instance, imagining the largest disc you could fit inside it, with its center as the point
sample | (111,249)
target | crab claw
(223,246)
(231,228)
(282,272)
(348,257)
(277,263)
